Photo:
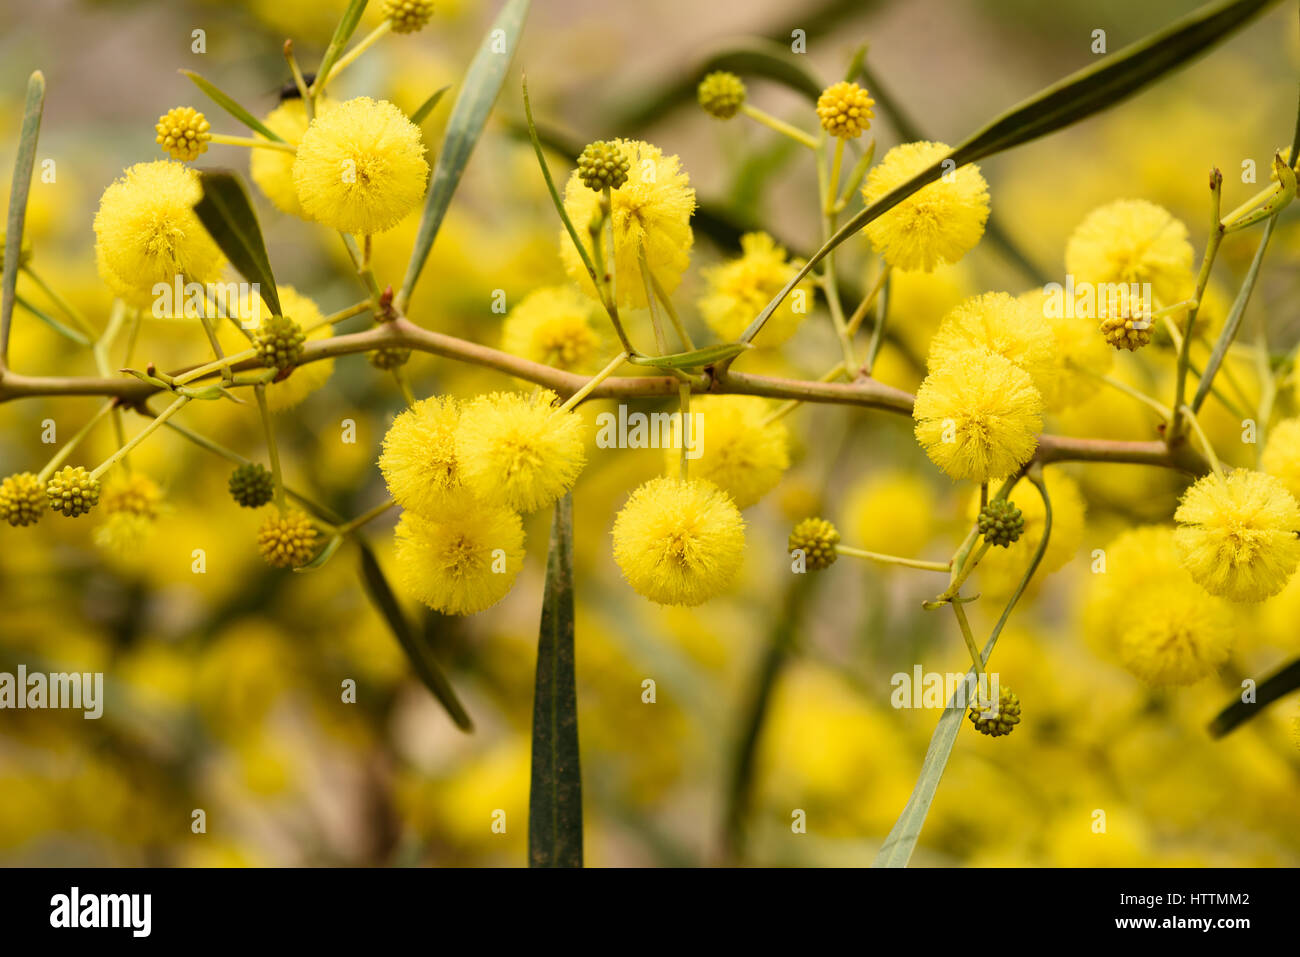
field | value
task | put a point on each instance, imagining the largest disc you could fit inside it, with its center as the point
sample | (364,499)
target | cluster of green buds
(603,165)
(817,539)
(252,485)
(388,358)
(279,343)
(22,499)
(995,722)
(1001,523)
(408,16)
(72,491)
(721,94)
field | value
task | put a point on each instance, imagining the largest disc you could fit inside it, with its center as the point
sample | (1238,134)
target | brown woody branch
(864,392)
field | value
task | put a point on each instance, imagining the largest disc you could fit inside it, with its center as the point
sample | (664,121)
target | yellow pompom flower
(360,167)
(1133,241)
(1004,325)
(844,110)
(557,326)
(305,378)
(408,16)
(891,512)
(287,539)
(1239,535)
(737,452)
(679,542)
(1081,355)
(938,224)
(737,291)
(418,460)
(146,232)
(1176,633)
(978,415)
(183,133)
(462,560)
(519,450)
(1281,456)
(651,212)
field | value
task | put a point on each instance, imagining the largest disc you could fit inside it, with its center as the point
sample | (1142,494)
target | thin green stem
(669,308)
(780,126)
(1205,442)
(272,450)
(347,59)
(251,143)
(61,456)
(140,436)
(684,401)
(364,517)
(894,559)
(67,308)
(1202,279)
(577,397)
(977,660)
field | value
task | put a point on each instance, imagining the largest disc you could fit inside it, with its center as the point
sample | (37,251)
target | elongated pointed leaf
(1062,104)
(482,84)
(427,106)
(693,360)
(1280,683)
(555,794)
(901,841)
(22,182)
(227,213)
(227,103)
(416,648)
(343,31)
(1233,322)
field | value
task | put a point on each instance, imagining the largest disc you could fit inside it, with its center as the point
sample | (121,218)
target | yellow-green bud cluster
(390,357)
(602,165)
(408,16)
(999,722)
(287,540)
(22,499)
(72,491)
(845,110)
(1001,523)
(722,94)
(279,342)
(183,133)
(1127,332)
(817,538)
(252,485)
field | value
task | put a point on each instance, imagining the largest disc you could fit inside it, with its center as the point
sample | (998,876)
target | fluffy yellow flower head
(557,326)
(651,212)
(844,110)
(978,415)
(463,560)
(146,232)
(519,450)
(1133,241)
(419,456)
(1081,355)
(305,378)
(738,290)
(1238,535)
(360,167)
(1281,456)
(1004,325)
(1177,633)
(738,453)
(131,494)
(272,170)
(679,542)
(891,512)
(938,224)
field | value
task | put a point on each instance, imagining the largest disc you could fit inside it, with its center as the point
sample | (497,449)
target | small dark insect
(290,90)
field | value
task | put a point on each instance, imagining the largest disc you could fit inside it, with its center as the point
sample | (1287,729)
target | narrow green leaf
(555,793)
(343,31)
(1280,683)
(482,84)
(22,182)
(1066,102)
(1233,322)
(693,360)
(227,103)
(417,650)
(76,336)
(427,106)
(901,841)
(227,213)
